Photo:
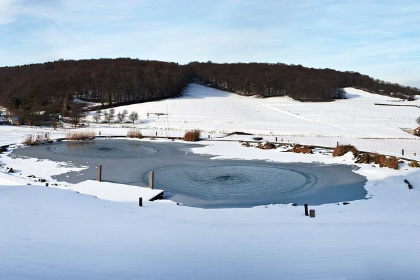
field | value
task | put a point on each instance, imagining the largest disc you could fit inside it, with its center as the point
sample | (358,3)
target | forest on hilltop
(51,86)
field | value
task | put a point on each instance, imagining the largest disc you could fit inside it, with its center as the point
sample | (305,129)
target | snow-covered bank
(55,232)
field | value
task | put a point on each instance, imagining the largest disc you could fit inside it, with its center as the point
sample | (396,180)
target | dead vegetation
(382,160)
(302,149)
(414,164)
(80,135)
(134,133)
(266,146)
(192,135)
(341,150)
(36,139)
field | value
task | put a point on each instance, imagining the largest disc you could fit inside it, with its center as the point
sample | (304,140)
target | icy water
(198,181)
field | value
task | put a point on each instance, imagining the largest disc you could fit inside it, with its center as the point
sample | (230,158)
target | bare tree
(133,116)
(107,116)
(97,116)
(111,114)
(76,114)
(120,117)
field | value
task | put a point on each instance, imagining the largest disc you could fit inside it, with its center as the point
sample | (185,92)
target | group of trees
(110,115)
(295,81)
(51,87)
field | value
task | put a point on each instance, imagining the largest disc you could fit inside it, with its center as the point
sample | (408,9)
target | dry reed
(134,133)
(192,135)
(80,135)
(341,150)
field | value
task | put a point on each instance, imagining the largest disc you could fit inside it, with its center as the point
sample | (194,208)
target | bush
(36,139)
(302,149)
(341,150)
(80,135)
(414,164)
(382,160)
(134,133)
(192,135)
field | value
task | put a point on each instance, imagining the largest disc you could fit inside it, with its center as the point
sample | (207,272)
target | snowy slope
(97,231)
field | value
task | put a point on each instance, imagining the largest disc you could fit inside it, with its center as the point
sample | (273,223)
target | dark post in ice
(99,173)
(306,209)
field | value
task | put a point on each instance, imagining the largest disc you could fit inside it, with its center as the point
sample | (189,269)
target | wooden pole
(151,179)
(306,209)
(99,173)
(402,152)
(140,202)
(312,213)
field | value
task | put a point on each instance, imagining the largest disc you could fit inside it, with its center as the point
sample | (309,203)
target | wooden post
(414,154)
(156,133)
(312,213)
(402,152)
(151,179)
(276,139)
(99,173)
(337,143)
(140,202)
(306,209)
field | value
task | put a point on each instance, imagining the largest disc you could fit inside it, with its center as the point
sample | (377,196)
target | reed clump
(134,133)
(302,149)
(36,139)
(341,150)
(382,160)
(192,135)
(80,135)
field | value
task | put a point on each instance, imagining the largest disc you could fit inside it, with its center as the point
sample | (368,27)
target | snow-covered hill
(67,232)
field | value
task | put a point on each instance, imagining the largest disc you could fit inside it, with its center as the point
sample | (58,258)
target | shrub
(302,149)
(341,150)
(414,164)
(266,146)
(192,135)
(36,139)
(80,135)
(134,133)
(382,160)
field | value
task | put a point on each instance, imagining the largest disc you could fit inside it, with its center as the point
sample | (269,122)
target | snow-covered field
(99,232)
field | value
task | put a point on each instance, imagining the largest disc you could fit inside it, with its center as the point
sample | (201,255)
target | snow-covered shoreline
(57,232)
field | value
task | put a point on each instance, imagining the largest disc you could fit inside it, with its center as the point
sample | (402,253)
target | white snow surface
(96,230)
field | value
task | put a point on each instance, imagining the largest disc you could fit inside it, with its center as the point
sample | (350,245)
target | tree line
(295,81)
(52,86)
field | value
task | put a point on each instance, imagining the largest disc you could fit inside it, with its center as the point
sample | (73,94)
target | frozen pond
(199,181)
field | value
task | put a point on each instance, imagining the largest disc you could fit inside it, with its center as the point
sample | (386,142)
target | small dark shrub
(341,150)
(192,135)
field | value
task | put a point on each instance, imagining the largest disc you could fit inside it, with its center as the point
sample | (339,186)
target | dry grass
(302,149)
(80,135)
(341,150)
(134,133)
(266,146)
(382,160)
(192,135)
(32,140)
(414,164)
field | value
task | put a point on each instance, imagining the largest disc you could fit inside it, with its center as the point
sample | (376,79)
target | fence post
(306,209)
(402,152)
(140,202)
(151,179)
(99,173)
(312,213)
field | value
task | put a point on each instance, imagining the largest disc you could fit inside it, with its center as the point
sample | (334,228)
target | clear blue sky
(378,38)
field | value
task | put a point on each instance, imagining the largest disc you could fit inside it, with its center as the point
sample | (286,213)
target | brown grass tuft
(414,164)
(80,135)
(302,149)
(382,160)
(192,135)
(341,150)
(32,140)
(134,133)
(266,146)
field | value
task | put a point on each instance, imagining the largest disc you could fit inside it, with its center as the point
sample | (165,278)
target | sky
(377,38)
